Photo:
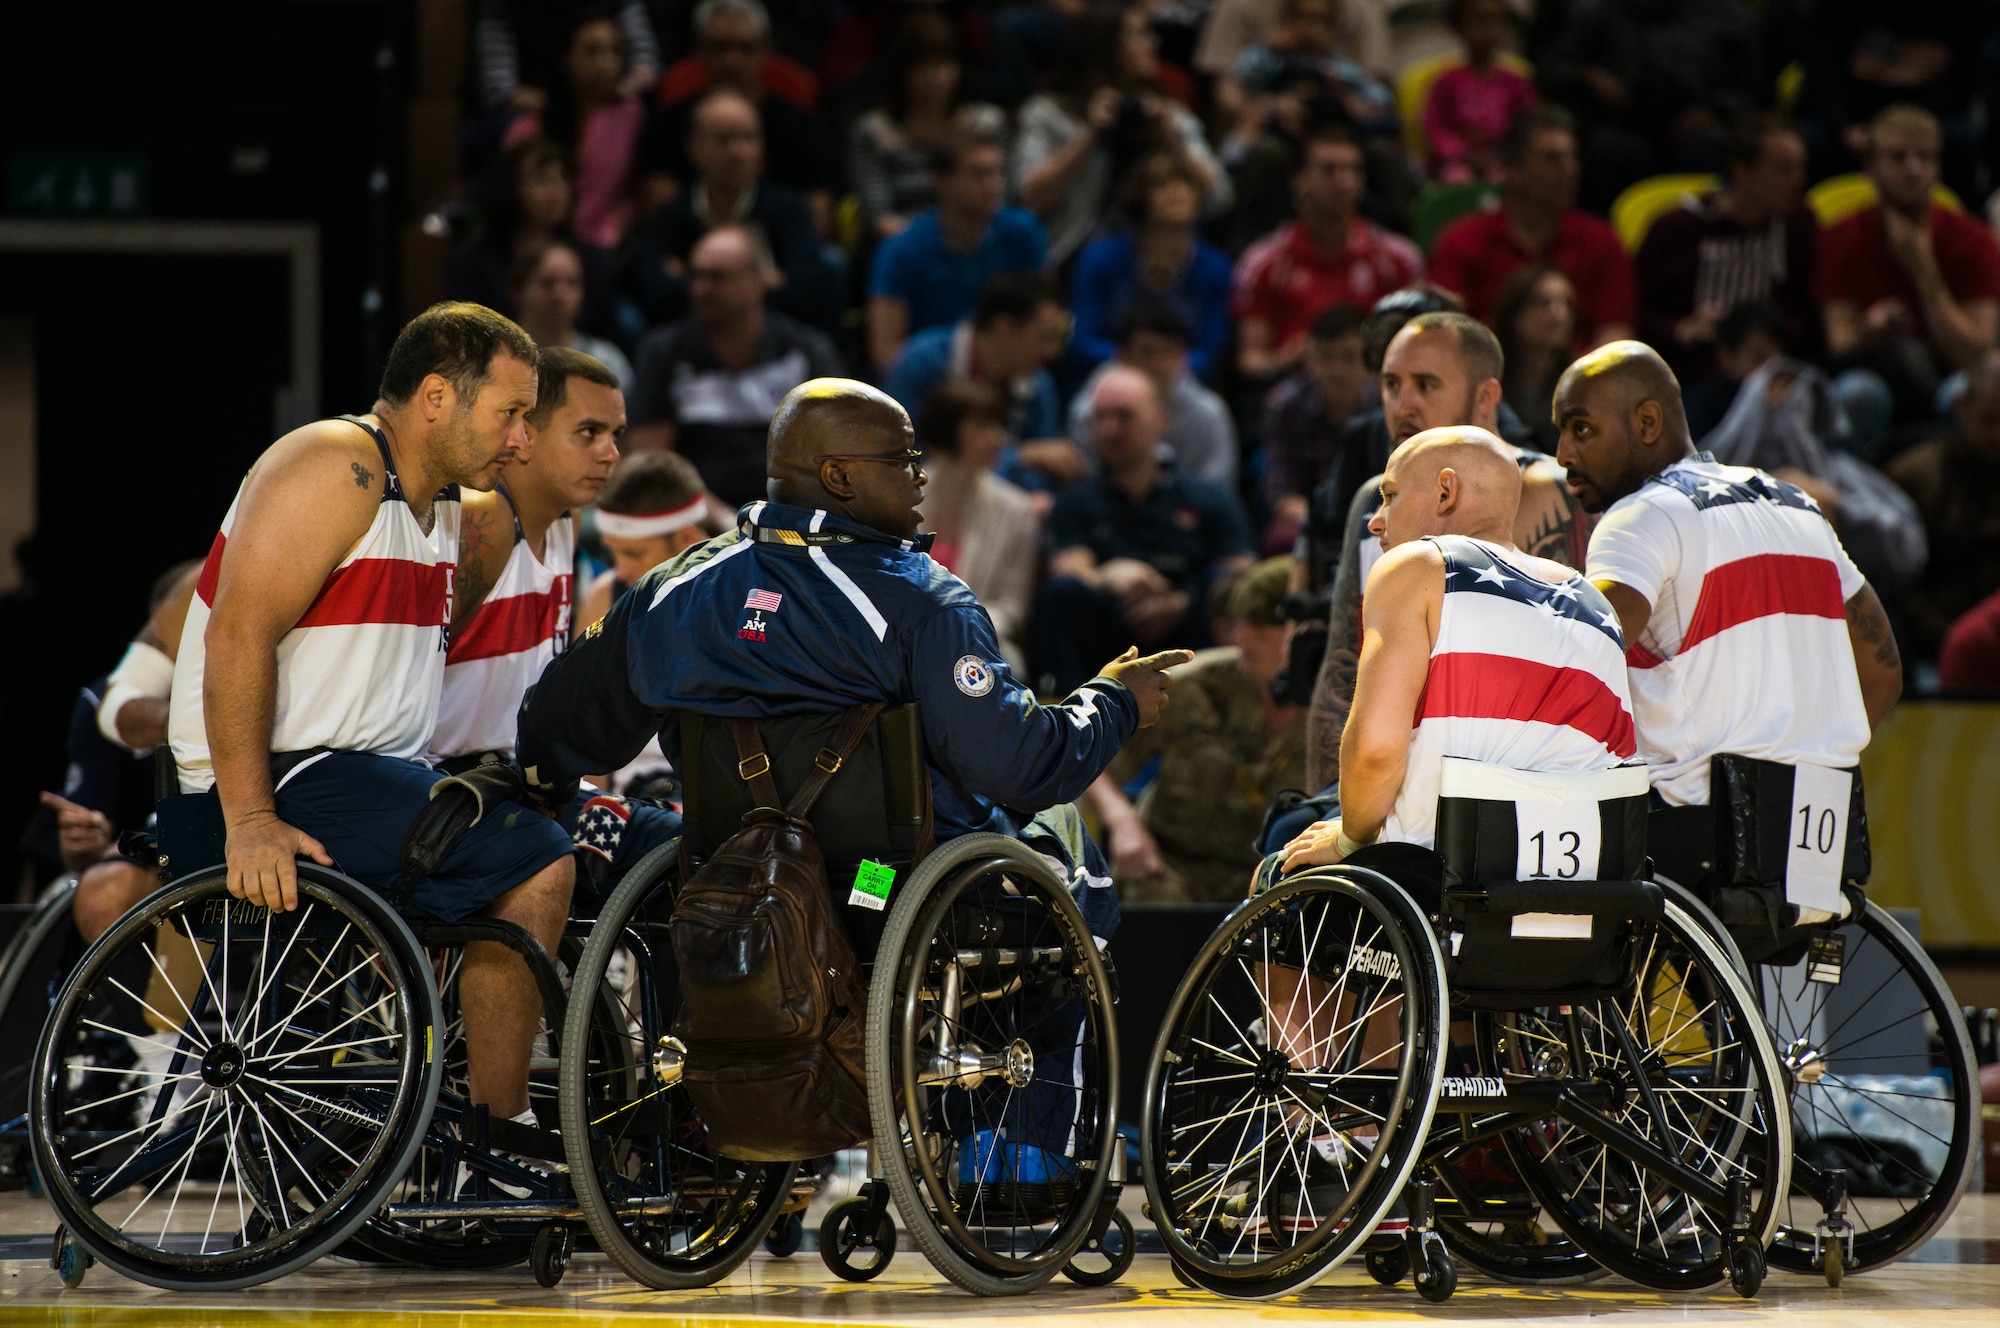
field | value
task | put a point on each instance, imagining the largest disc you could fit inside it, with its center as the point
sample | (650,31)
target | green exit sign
(77,184)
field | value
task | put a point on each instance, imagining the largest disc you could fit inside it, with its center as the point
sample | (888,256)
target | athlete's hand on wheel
(261,867)
(1147,679)
(1317,846)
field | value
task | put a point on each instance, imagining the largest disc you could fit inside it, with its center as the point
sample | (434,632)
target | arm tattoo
(1871,627)
(474,582)
(1560,528)
(363,477)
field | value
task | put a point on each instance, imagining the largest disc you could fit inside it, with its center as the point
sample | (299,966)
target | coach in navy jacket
(822,599)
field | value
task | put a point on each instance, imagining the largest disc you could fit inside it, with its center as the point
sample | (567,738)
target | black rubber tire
(72,1263)
(1388,1267)
(919,908)
(1407,935)
(838,1241)
(787,1236)
(548,1254)
(1746,1271)
(1120,1259)
(1440,1278)
(408,1078)
(747,1196)
(1911,1002)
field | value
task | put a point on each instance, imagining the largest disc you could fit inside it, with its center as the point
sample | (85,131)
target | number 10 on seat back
(1818,836)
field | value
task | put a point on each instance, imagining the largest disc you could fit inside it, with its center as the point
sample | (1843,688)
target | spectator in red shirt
(1328,256)
(1909,290)
(1749,243)
(1970,664)
(1537,222)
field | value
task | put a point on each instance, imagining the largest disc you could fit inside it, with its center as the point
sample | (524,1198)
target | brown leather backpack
(770,993)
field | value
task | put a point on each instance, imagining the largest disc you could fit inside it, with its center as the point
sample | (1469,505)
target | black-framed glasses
(909,457)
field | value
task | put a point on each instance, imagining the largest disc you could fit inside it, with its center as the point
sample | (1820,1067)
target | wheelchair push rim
(929,1099)
(294,1059)
(1356,1134)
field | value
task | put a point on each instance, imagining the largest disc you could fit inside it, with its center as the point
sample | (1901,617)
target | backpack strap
(829,759)
(753,763)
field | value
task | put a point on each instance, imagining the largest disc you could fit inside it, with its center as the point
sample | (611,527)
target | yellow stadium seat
(1790,83)
(1413,89)
(1634,211)
(1840,197)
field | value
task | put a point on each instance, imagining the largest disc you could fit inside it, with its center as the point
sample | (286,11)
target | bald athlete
(1442,369)
(823,598)
(1470,648)
(1748,628)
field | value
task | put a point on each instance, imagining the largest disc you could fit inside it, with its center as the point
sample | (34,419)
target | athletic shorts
(360,807)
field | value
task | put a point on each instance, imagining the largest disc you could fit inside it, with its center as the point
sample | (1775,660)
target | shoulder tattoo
(363,477)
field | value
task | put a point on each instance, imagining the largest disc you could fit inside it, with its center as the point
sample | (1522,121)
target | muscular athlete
(1748,628)
(1471,648)
(316,641)
(1442,369)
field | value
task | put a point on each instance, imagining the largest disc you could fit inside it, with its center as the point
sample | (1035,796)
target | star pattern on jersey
(1469,567)
(600,826)
(1737,484)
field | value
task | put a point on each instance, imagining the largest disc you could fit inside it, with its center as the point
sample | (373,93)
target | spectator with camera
(1103,111)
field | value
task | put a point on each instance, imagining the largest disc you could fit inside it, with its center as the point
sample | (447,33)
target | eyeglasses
(910,458)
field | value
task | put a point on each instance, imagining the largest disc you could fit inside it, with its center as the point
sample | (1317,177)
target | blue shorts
(360,807)
(611,834)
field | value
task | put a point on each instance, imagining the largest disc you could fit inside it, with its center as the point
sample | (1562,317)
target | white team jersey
(512,637)
(1746,650)
(361,669)
(1524,674)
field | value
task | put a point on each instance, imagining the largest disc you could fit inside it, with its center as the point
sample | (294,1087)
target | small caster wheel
(787,1236)
(1834,1263)
(1440,1276)
(548,1254)
(1746,1270)
(72,1262)
(848,1251)
(1117,1248)
(1389,1266)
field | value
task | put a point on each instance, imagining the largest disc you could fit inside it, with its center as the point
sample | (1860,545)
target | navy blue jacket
(797,611)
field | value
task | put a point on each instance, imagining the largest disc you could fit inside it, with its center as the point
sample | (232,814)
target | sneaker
(1009,1178)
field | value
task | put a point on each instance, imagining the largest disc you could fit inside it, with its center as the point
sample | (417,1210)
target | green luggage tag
(871,886)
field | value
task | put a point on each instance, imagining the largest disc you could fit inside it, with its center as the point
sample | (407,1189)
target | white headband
(646,525)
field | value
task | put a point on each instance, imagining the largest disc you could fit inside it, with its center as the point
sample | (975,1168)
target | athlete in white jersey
(308,674)
(516,572)
(1748,629)
(1470,648)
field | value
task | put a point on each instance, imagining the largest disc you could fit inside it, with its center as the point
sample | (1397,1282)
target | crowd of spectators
(1131,268)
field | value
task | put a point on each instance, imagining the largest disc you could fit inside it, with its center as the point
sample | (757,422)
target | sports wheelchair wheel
(667,1211)
(1885,1089)
(34,963)
(992,1065)
(1685,1064)
(1294,1082)
(298,1073)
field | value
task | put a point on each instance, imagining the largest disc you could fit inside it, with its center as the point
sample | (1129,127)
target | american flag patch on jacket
(600,827)
(767,600)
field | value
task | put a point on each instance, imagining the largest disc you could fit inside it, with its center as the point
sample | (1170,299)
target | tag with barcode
(871,886)
(1817,838)
(1825,957)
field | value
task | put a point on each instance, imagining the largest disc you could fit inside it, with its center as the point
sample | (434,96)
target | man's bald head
(1458,480)
(1126,418)
(828,416)
(1619,411)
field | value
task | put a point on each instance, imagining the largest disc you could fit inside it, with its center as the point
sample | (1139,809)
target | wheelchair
(990,1041)
(302,1094)
(1884,1084)
(1536,1047)
(32,964)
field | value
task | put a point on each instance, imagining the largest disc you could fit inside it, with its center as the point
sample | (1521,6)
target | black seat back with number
(1543,876)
